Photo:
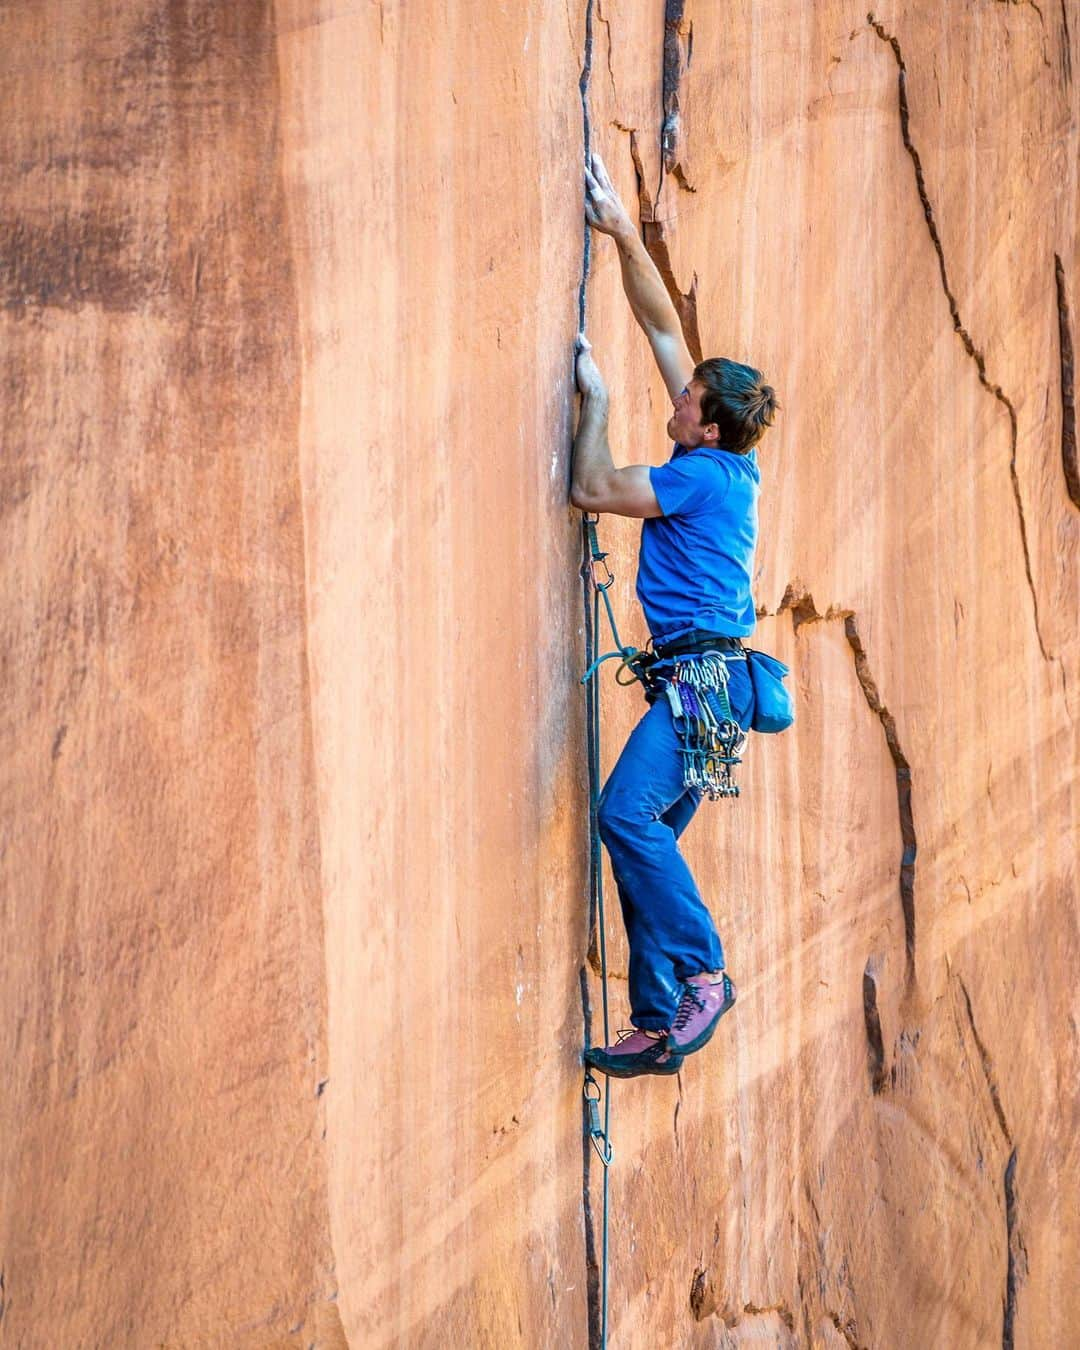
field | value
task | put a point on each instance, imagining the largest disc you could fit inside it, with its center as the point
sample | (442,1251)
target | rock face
(294,856)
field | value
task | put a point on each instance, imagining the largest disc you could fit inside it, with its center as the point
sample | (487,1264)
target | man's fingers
(600,170)
(592,183)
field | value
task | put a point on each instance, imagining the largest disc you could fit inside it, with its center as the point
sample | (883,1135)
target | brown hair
(737,400)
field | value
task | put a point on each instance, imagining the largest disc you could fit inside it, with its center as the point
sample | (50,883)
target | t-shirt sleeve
(683,486)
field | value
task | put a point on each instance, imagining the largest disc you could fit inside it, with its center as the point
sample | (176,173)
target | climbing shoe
(702,1005)
(632,1054)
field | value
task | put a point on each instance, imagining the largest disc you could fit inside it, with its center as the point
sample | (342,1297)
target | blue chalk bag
(774,708)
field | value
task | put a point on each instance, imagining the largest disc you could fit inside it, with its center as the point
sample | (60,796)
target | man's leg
(671,933)
(680,815)
(653,985)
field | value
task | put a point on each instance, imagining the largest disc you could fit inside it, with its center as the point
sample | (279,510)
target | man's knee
(620,819)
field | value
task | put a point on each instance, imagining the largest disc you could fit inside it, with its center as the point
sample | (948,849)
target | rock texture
(293,837)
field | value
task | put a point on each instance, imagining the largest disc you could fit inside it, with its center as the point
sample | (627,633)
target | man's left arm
(596,484)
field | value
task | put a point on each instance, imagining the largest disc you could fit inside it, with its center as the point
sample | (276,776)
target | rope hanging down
(596,590)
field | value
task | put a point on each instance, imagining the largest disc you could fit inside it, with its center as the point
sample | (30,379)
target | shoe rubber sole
(614,1070)
(704,1037)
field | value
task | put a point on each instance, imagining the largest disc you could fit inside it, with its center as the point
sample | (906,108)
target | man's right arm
(645,290)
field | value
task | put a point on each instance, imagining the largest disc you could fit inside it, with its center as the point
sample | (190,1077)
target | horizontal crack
(781,1309)
(965,336)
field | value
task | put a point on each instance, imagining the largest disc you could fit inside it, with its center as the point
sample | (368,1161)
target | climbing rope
(597,579)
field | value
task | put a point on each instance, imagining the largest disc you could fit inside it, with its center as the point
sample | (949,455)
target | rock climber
(699,529)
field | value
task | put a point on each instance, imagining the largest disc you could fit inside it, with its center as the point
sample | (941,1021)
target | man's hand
(589,380)
(603,207)
(646,292)
(597,485)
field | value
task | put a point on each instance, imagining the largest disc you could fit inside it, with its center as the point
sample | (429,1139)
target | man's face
(685,425)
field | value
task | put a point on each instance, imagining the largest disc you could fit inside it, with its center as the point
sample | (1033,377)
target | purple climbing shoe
(632,1054)
(702,1005)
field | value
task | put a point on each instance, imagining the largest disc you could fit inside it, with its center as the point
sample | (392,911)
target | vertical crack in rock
(610,68)
(954,310)
(583,89)
(875,1043)
(987,1067)
(655,240)
(1066,46)
(803,610)
(1068,397)
(1016,1267)
(1017,1259)
(592,1264)
(903,786)
(677,53)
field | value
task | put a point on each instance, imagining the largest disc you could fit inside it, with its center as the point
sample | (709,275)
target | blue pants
(643,810)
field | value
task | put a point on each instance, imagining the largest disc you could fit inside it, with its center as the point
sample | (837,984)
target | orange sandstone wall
(294,860)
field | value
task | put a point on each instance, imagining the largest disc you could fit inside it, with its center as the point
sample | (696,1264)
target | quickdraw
(710,738)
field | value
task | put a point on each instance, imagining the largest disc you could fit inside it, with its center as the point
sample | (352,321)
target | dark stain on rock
(702,1296)
(72,259)
(848,1329)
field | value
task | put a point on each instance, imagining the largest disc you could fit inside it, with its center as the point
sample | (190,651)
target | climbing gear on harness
(701,1007)
(635,1053)
(710,738)
(774,708)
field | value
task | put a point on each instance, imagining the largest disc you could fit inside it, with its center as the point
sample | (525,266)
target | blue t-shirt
(697,559)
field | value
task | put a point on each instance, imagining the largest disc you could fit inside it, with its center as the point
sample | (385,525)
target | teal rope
(601,1134)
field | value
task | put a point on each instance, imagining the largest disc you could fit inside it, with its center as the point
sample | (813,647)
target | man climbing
(699,529)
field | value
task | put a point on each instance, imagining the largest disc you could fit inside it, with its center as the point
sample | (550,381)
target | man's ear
(711,432)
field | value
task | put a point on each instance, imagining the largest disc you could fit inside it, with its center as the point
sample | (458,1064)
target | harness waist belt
(693,643)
